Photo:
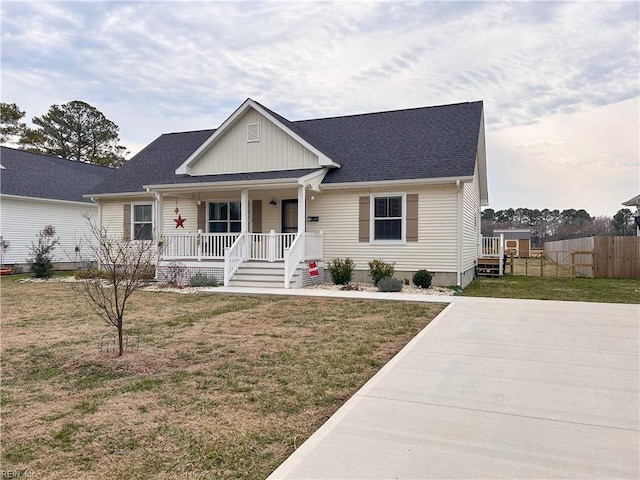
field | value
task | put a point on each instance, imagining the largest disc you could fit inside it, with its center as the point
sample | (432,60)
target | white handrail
(234,256)
(197,245)
(493,247)
(292,258)
(313,245)
(269,246)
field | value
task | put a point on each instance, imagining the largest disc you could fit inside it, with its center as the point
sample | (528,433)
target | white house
(255,200)
(38,190)
(635,202)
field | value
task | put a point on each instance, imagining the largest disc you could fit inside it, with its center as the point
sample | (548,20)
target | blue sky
(560,80)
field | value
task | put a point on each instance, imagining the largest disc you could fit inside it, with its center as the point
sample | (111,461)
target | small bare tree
(123,266)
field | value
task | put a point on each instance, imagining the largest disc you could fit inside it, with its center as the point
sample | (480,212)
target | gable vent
(253,132)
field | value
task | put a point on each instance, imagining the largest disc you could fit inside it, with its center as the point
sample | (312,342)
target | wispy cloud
(154,67)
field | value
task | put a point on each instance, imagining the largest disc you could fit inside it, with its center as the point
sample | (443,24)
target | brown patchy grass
(221,386)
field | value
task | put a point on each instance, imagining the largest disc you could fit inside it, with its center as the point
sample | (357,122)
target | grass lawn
(220,387)
(607,290)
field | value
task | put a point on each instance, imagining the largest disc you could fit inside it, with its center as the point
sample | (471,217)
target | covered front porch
(255,233)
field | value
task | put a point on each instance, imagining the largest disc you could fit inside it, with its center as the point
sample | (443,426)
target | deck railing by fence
(492,246)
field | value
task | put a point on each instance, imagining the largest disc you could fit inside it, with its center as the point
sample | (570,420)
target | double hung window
(388,218)
(142,221)
(224,217)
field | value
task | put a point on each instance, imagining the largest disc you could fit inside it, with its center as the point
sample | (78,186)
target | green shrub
(89,273)
(389,284)
(202,280)
(341,270)
(379,269)
(40,263)
(422,279)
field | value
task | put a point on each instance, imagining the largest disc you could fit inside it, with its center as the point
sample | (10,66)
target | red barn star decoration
(179,221)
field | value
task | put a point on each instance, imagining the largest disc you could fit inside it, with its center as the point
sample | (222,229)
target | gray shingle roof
(418,143)
(154,164)
(33,175)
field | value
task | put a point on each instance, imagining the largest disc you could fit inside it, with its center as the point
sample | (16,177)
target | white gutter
(46,200)
(197,186)
(115,195)
(459,235)
(388,183)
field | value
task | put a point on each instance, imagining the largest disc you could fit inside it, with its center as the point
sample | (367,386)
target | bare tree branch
(122,267)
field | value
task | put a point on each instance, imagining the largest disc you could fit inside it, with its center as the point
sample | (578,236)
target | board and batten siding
(435,250)
(471,222)
(275,150)
(22,219)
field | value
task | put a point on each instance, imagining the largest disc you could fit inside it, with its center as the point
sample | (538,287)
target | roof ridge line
(387,111)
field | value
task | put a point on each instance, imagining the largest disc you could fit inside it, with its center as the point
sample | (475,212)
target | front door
(289,219)
(289,216)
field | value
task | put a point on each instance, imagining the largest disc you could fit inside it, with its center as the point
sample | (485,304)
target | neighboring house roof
(418,143)
(154,164)
(633,202)
(514,233)
(33,175)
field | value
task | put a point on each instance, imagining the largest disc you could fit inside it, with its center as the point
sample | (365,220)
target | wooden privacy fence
(600,257)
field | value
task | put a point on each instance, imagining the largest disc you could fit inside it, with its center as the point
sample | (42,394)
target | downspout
(99,225)
(157,212)
(459,236)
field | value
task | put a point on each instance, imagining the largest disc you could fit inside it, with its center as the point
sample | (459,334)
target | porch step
(261,274)
(489,267)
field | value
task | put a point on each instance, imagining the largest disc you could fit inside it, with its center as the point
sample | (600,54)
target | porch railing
(493,246)
(292,258)
(234,256)
(313,246)
(197,245)
(236,248)
(270,246)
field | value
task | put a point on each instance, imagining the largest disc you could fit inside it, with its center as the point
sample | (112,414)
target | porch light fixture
(273,202)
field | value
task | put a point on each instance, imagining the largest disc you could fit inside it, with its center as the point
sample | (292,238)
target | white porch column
(159,212)
(302,209)
(244,210)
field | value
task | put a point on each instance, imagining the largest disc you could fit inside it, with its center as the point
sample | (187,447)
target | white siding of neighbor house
(471,222)
(435,249)
(232,153)
(22,219)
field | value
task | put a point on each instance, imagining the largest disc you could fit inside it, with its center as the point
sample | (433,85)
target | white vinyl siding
(271,216)
(21,220)
(187,209)
(471,222)
(232,153)
(436,249)
(111,214)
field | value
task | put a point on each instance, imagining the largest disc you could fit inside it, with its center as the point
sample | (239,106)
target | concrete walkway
(491,389)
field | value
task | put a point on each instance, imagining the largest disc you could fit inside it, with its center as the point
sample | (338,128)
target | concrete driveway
(494,389)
